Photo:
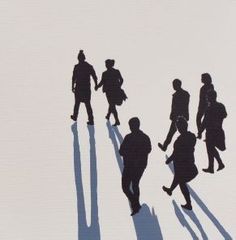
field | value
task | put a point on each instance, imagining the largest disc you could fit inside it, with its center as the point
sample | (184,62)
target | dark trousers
(170,134)
(88,108)
(212,153)
(183,187)
(130,184)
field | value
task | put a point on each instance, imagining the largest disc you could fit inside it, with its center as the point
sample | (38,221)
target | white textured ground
(153,42)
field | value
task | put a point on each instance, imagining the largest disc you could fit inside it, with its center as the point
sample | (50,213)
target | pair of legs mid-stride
(213,154)
(184,189)
(88,108)
(130,187)
(112,108)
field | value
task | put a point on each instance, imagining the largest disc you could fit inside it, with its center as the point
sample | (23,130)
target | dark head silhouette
(206,78)
(134,124)
(181,124)
(177,84)
(81,56)
(211,96)
(110,63)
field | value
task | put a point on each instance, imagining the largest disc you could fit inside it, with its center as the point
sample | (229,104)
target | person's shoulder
(191,138)
(129,135)
(192,135)
(104,73)
(87,64)
(222,108)
(144,135)
(220,105)
(186,93)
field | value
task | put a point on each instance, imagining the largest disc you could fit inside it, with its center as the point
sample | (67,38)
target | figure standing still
(215,136)
(134,150)
(183,159)
(111,82)
(81,86)
(179,107)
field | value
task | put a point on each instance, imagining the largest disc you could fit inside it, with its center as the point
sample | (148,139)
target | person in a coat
(134,150)
(81,86)
(183,159)
(215,136)
(203,103)
(179,107)
(111,82)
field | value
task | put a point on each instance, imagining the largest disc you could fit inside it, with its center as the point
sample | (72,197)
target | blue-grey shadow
(183,220)
(146,223)
(205,209)
(86,232)
(195,219)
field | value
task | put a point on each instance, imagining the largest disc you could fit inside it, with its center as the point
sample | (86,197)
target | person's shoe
(117,123)
(187,206)
(107,117)
(73,118)
(90,123)
(208,170)
(167,190)
(136,210)
(162,147)
(221,166)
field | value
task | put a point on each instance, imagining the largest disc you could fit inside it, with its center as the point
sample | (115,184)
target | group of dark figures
(137,145)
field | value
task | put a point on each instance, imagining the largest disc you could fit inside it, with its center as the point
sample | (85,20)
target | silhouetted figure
(81,86)
(183,160)
(134,149)
(203,103)
(179,107)
(111,83)
(215,136)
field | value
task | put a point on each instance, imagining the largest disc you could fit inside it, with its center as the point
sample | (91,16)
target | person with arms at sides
(215,136)
(203,104)
(134,150)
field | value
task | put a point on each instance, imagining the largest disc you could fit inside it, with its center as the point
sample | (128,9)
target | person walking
(179,107)
(215,136)
(111,82)
(134,150)
(81,87)
(203,104)
(183,160)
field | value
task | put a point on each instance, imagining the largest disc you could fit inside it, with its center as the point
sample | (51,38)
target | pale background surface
(153,42)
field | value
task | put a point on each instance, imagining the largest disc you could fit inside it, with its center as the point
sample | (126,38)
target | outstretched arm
(100,84)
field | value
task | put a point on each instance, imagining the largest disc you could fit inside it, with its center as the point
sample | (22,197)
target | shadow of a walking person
(86,231)
(205,209)
(183,220)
